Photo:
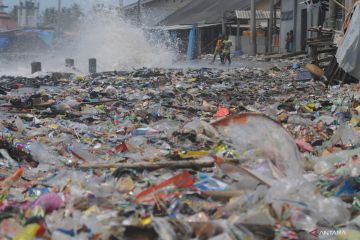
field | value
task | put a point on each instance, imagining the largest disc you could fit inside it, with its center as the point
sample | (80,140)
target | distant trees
(13,13)
(49,16)
(69,17)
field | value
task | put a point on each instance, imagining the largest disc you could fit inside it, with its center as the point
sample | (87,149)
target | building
(6,22)
(215,17)
(336,14)
(153,11)
(301,15)
(28,13)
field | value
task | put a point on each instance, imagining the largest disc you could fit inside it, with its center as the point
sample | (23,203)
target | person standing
(218,49)
(287,41)
(291,41)
(227,50)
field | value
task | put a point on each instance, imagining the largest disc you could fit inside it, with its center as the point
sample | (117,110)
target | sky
(53,3)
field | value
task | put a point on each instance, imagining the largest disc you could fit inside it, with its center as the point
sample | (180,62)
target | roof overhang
(182,27)
(260,14)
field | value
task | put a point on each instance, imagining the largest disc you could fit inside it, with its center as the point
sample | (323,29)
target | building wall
(291,19)
(28,13)
(6,23)
(263,5)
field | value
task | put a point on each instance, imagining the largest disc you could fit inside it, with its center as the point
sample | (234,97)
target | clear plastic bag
(256,137)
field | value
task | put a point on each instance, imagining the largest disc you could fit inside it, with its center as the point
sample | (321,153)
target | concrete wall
(287,22)
(245,43)
(263,5)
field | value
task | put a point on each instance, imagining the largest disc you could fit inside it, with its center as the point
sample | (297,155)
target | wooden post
(271,26)
(58,18)
(92,65)
(253,29)
(138,13)
(296,3)
(35,67)
(267,36)
(237,45)
(223,26)
(69,62)
(199,42)
(332,14)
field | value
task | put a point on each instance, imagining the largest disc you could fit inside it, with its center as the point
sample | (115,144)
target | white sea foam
(106,36)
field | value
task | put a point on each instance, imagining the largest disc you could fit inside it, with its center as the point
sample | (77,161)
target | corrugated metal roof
(205,11)
(260,14)
(134,4)
(181,27)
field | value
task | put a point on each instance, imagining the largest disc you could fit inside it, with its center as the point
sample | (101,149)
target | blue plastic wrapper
(346,188)
(207,183)
(69,232)
(37,191)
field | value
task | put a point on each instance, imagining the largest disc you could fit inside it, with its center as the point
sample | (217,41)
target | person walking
(227,50)
(218,48)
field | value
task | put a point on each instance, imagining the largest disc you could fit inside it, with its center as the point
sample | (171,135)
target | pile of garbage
(214,154)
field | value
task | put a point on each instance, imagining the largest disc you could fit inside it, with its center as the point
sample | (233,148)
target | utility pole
(138,12)
(332,14)
(253,28)
(296,3)
(271,25)
(223,26)
(58,18)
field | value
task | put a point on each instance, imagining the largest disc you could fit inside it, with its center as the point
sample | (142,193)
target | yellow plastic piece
(28,233)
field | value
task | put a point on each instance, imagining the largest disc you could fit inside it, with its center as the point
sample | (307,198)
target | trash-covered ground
(240,153)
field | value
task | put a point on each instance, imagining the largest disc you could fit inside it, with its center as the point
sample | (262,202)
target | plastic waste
(307,208)
(201,128)
(184,179)
(110,91)
(345,135)
(30,232)
(6,184)
(324,165)
(256,137)
(19,124)
(48,201)
(41,154)
(144,132)
(81,152)
(208,183)
(167,126)
(222,112)
(111,145)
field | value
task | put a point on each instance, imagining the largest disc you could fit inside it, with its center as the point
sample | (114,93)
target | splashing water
(119,45)
(114,42)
